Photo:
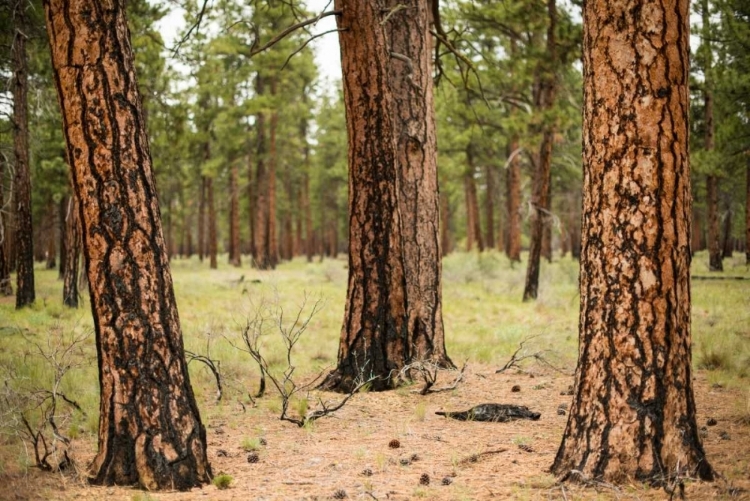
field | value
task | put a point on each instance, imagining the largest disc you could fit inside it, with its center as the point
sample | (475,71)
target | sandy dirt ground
(348,455)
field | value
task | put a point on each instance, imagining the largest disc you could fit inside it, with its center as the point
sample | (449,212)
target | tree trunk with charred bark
(374,336)
(633,412)
(72,253)
(408,34)
(23,239)
(150,432)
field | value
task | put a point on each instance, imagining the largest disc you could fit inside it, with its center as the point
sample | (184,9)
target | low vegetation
(485,324)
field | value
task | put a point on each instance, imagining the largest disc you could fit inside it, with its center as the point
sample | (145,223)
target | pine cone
(525,448)
(394,444)
(367,472)
(340,494)
(424,479)
(253,457)
(446,481)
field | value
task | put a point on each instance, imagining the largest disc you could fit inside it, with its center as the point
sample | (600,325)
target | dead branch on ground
(271,316)
(516,359)
(428,370)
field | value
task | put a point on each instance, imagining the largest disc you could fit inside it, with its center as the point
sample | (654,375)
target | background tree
(23,238)
(136,323)
(633,413)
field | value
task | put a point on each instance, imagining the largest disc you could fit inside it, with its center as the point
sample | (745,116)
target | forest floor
(480,460)
(335,454)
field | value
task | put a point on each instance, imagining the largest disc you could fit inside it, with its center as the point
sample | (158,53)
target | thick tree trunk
(72,253)
(212,237)
(408,34)
(374,337)
(202,220)
(712,182)
(6,288)
(150,432)
(540,200)
(235,257)
(513,186)
(23,240)
(633,413)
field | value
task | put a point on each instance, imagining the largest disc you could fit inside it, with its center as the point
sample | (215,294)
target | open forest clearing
(485,323)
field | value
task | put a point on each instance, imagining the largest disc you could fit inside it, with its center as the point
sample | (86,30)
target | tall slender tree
(712,180)
(23,238)
(540,197)
(150,432)
(633,413)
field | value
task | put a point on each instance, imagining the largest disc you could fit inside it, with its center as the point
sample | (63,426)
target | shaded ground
(481,460)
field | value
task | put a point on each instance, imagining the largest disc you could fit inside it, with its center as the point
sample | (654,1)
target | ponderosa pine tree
(374,338)
(142,365)
(410,82)
(23,237)
(633,413)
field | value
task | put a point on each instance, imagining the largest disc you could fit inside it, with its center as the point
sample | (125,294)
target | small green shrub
(222,481)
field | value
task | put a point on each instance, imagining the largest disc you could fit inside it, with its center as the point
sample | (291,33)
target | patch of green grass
(222,481)
(250,444)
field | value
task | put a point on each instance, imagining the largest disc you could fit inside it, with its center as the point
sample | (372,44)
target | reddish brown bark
(489,207)
(408,33)
(374,334)
(150,433)
(633,414)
